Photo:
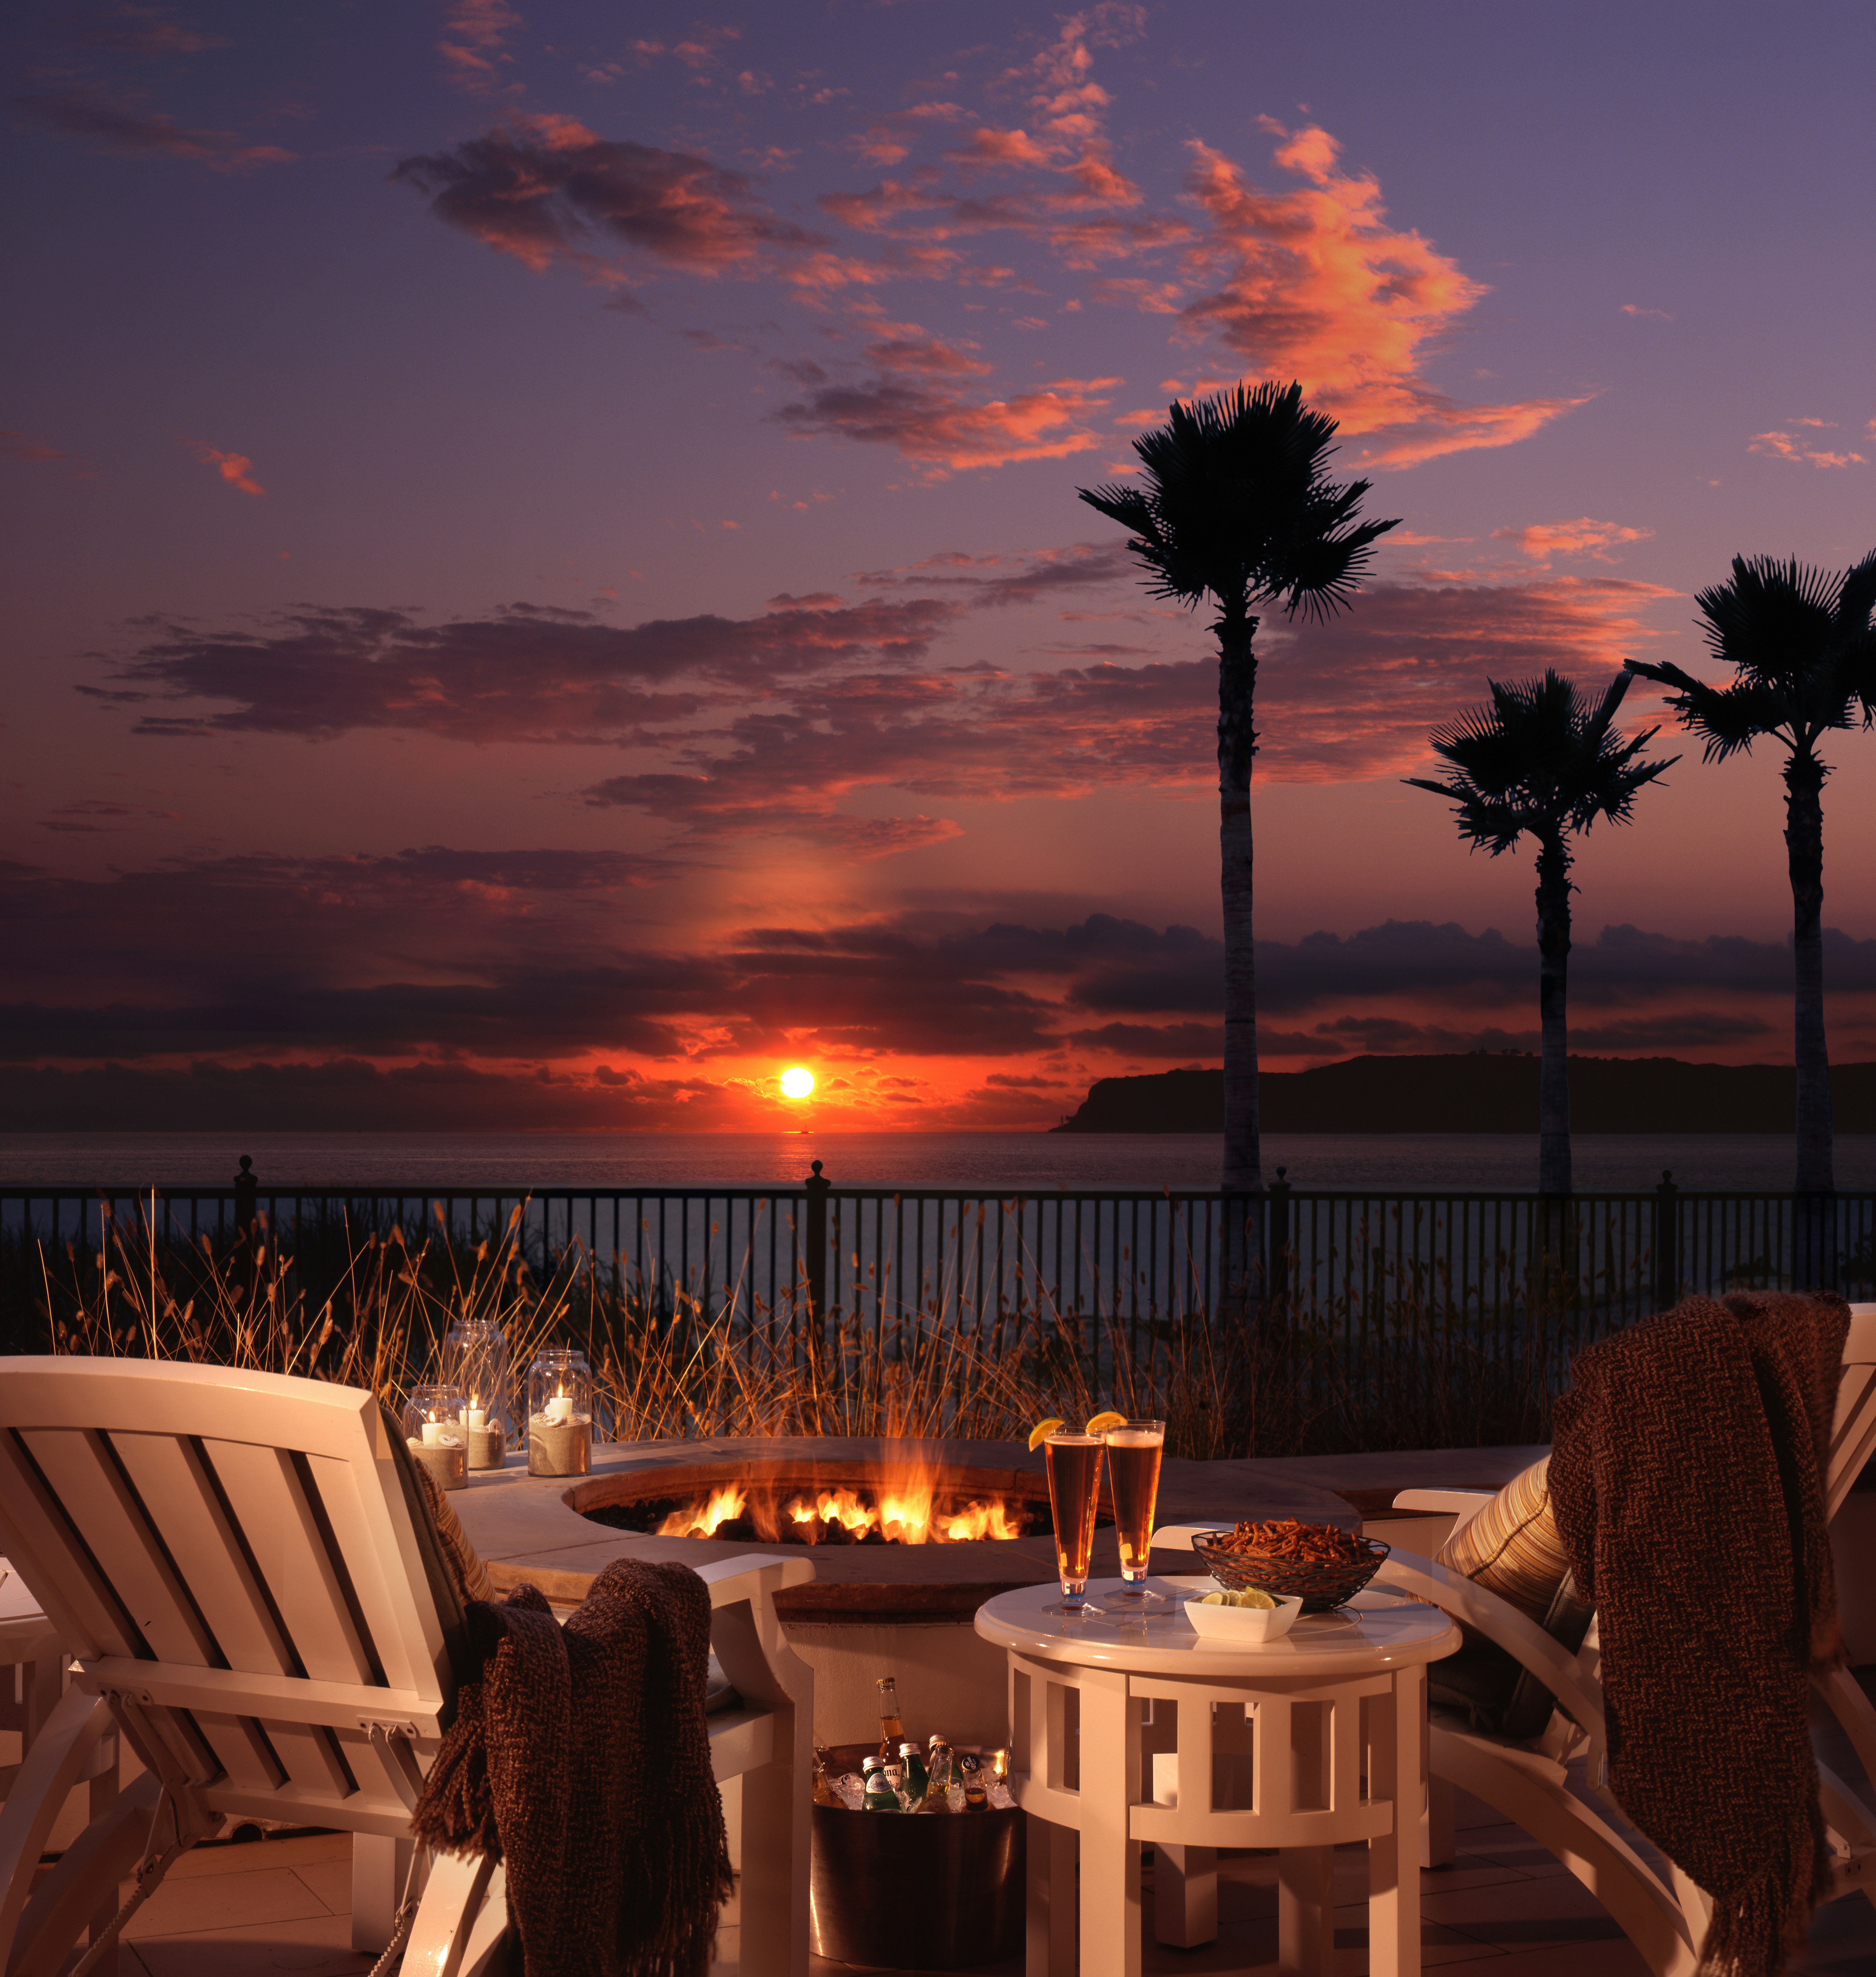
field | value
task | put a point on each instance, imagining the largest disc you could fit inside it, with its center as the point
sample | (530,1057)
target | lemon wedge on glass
(1101,1422)
(1042,1430)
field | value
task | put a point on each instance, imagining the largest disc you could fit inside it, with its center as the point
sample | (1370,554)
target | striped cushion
(1512,1547)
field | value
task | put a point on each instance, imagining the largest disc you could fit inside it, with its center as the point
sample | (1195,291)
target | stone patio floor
(281,1904)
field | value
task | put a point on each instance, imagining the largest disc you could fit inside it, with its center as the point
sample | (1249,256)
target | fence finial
(247,1196)
(815,1243)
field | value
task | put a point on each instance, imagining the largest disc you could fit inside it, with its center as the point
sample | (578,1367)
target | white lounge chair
(255,1602)
(1530,1782)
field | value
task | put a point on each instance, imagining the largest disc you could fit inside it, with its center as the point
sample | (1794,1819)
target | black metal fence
(882,1257)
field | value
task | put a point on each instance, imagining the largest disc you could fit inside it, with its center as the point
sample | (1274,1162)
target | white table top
(1376,1629)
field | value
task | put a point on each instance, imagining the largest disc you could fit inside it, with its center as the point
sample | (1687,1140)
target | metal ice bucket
(934,1891)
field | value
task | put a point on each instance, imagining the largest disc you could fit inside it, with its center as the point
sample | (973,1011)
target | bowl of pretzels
(1321,1564)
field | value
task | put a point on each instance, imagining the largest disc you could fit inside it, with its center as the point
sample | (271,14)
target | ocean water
(1002,1161)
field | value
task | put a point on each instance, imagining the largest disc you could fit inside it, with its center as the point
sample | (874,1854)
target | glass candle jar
(475,1362)
(433,1427)
(560,1414)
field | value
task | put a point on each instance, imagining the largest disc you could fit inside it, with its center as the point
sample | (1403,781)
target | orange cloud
(926,422)
(1315,284)
(475,50)
(1782,446)
(546,188)
(42,452)
(1542,540)
(1064,137)
(232,466)
(127,128)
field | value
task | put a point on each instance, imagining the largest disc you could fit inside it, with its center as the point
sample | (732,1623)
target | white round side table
(1124,1733)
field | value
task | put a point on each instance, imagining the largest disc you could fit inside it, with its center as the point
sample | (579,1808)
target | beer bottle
(879,1795)
(891,1728)
(824,1794)
(938,1777)
(916,1775)
(975,1798)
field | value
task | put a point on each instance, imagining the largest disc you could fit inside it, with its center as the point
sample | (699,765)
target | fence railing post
(247,1197)
(1276,1239)
(1666,1242)
(816,1242)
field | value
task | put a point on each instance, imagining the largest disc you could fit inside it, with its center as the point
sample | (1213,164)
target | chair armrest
(746,1636)
(1465,1504)
(762,1571)
(1560,1672)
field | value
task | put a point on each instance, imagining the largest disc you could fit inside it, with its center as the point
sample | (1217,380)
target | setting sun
(797,1082)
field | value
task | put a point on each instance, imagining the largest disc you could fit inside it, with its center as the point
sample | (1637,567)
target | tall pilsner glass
(1073,1462)
(1134,1451)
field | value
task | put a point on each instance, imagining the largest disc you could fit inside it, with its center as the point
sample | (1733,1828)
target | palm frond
(1543,758)
(1235,503)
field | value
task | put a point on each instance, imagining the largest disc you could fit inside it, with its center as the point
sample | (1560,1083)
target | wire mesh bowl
(1319,1587)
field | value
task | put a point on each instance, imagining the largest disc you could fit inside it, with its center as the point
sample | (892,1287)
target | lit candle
(433,1434)
(475,1417)
(560,1409)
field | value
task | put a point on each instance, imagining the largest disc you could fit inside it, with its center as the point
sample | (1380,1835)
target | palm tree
(1542,759)
(1236,504)
(1803,651)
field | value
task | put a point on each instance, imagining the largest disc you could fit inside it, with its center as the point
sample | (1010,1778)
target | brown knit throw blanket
(1687,1479)
(580,1756)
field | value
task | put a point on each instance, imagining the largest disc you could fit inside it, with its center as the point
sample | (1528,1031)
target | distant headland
(1480,1093)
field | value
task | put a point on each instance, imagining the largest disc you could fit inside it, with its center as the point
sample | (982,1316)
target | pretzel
(1296,1544)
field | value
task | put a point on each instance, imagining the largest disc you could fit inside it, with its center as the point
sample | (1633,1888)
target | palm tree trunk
(1804,852)
(1553,1007)
(1238,744)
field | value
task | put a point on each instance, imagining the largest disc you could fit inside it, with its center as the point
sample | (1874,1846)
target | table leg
(1049,1916)
(1395,1766)
(1306,1911)
(1110,1899)
(1185,1895)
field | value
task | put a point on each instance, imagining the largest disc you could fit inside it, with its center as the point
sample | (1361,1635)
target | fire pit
(883,1601)
(887,1500)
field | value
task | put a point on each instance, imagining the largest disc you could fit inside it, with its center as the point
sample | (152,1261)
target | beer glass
(1073,1464)
(1134,1451)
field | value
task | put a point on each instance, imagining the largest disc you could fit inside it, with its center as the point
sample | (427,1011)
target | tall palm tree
(1235,503)
(1803,651)
(1542,759)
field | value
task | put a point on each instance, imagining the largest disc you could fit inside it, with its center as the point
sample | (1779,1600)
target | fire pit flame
(900,1511)
(724,1504)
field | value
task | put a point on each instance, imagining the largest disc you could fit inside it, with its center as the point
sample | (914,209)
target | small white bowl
(1244,1623)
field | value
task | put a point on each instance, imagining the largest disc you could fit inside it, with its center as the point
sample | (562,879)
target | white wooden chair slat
(243,1754)
(82,1471)
(289,1698)
(1853,1430)
(78,1600)
(394,1618)
(305,1753)
(270,1501)
(182,1501)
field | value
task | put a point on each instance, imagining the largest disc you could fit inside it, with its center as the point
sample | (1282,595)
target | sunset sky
(545,583)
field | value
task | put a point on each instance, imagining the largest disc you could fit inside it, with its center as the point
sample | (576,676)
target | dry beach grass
(672,1362)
